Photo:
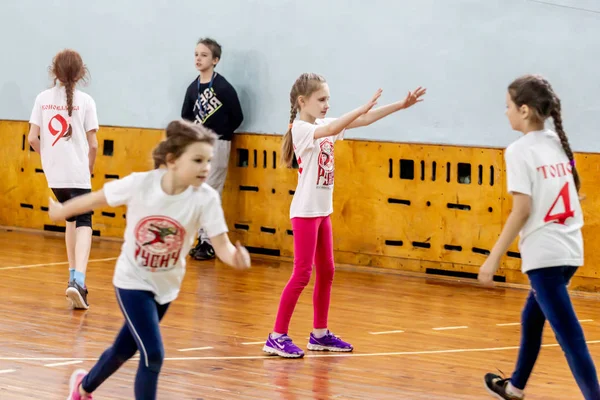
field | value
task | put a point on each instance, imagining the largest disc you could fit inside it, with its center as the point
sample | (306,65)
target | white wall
(140,54)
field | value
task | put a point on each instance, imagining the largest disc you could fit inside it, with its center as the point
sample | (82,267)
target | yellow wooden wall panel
(25,185)
(372,204)
(373,200)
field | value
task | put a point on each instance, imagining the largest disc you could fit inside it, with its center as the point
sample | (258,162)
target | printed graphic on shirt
(298,161)
(559,212)
(206,105)
(158,243)
(58,126)
(326,166)
(58,108)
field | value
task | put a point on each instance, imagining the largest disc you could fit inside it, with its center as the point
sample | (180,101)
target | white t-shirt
(314,192)
(65,162)
(160,231)
(536,165)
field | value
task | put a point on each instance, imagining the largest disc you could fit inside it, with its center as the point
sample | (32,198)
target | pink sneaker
(74,383)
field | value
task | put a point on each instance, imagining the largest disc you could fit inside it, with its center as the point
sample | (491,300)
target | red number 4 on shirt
(560,218)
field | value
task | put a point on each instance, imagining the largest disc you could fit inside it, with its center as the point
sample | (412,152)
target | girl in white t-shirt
(546,213)
(310,139)
(165,209)
(63,130)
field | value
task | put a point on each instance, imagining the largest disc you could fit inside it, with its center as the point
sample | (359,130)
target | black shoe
(496,385)
(77,295)
(203,251)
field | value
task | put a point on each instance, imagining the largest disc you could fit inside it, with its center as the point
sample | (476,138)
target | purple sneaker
(329,342)
(283,347)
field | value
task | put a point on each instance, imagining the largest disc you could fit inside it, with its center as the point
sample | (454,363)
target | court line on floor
(60,364)
(449,328)
(225,358)
(386,332)
(56,263)
(7,371)
(196,348)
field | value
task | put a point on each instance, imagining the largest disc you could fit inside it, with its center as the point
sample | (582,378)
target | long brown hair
(305,85)
(180,134)
(537,93)
(68,68)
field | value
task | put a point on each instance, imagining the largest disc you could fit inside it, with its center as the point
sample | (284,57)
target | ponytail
(564,141)
(287,149)
(70,89)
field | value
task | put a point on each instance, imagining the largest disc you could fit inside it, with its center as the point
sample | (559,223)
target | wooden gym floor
(414,337)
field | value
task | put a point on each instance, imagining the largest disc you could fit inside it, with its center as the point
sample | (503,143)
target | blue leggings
(140,331)
(549,300)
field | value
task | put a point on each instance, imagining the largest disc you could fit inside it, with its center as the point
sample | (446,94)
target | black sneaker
(203,251)
(77,295)
(496,385)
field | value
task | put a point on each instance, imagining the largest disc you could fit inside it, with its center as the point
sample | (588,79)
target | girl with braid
(310,140)
(542,177)
(63,130)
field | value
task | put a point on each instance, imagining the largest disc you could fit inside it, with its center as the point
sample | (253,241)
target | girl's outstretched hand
(367,107)
(414,97)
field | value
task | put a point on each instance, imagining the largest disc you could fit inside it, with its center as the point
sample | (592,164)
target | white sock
(203,236)
(276,335)
(319,333)
(513,391)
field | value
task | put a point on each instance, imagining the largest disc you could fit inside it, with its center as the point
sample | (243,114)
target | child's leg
(77,290)
(141,331)
(82,252)
(219,166)
(70,242)
(325,269)
(321,338)
(532,328)
(216,179)
(305,242)
(111,360)
(63,195)
(550,285)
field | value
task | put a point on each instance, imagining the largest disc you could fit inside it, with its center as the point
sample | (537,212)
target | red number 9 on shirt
(63,127)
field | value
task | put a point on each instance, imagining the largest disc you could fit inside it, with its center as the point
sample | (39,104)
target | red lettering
(561,169)
(164,261)
(175,256)
(557,170)
(145,258)
(543,168)
(155,261)
(53,107)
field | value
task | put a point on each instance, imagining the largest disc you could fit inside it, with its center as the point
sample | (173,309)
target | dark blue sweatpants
(549,300)
(140,332)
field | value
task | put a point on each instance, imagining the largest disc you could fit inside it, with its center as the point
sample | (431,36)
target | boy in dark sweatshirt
(212,101)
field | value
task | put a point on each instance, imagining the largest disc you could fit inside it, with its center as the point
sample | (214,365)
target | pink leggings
(313,242)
